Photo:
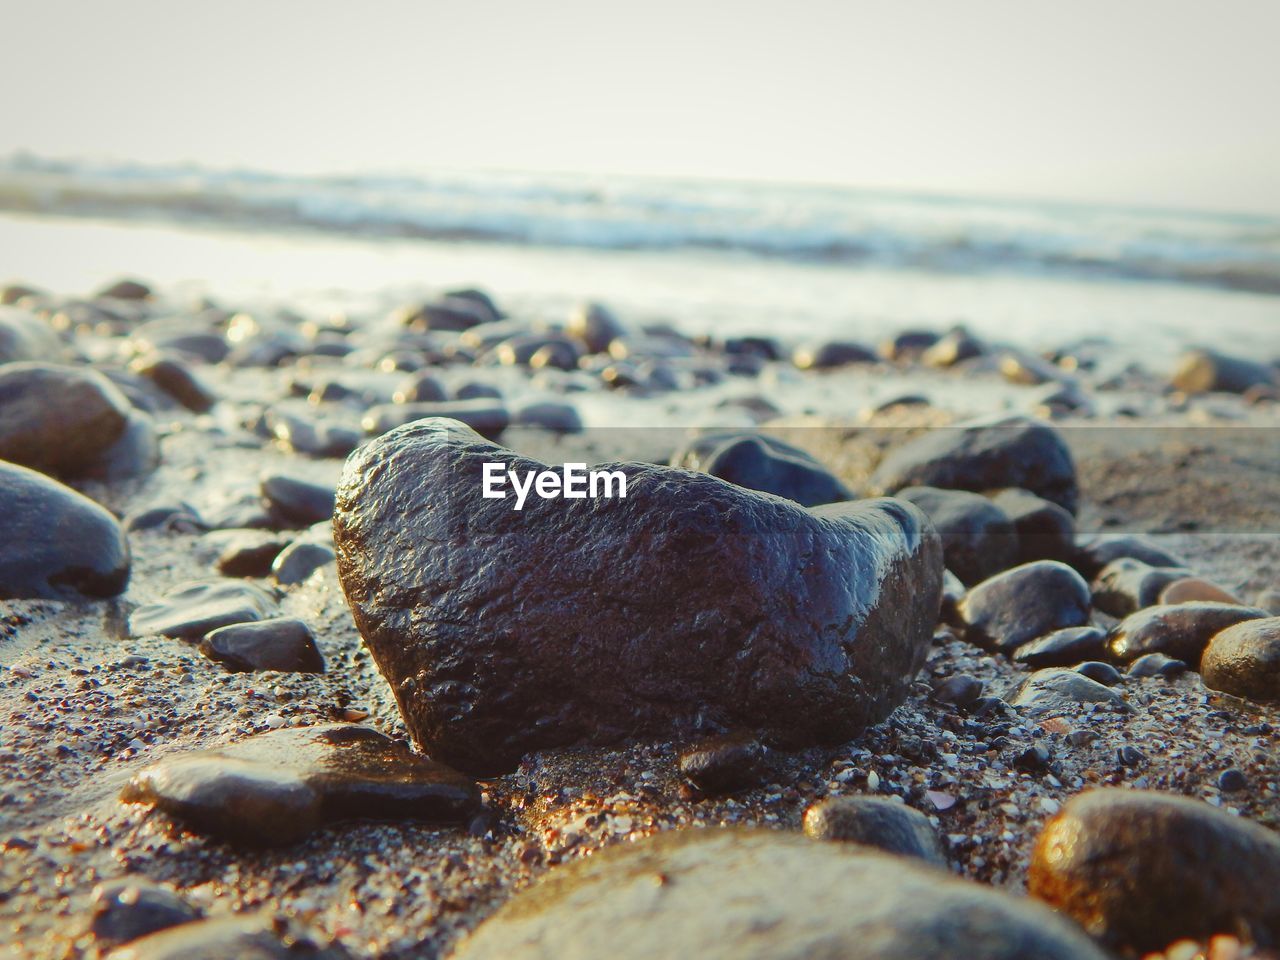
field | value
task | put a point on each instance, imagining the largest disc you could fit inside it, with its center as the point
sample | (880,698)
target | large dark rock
(1139,870)
(690,605)
(1180,630)
(275,788)
(978,539)
(1019,605)
(1244,660)
(760,462)
(985,455)
(56,543)
(765,895)
(58,420)
(876,822)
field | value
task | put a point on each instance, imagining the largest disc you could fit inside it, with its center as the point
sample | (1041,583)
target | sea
(797,262)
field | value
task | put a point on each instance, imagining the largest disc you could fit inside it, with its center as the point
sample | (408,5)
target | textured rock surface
(876,822)
(753,895)
(56,543)
(1019,605)
(275,788)
(1244,660)
(985,455)
(1140,870)
(591,620)
(1180,630)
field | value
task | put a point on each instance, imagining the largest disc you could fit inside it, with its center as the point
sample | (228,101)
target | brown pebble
(1190,589)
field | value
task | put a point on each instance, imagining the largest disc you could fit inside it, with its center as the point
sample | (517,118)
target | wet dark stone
(1103,673)
(125,910)
(23,336)
(477,391)
(485,417)
(953,347)
(556,417)
(593,620)
(56,543)
(168,518)
(721,765)
(275,788)
(297,501)
(451,314)
(1140,869)
(1244,660)
(1202,371)
(1034,759)
(1126,585)
(832,354)
(952,593)
(304,556)
(978,539)
(985,455)
(1157,665)
(876,822)
(181,337)
(125,289)
(252,937)
(558,350)
(1045,530)
(1180,630)
(1232,780)
(759,462)
(58,420)
(177,380)
(716,894)
(760,348)
(596,326)
(248,553)
(961,690)
(479,298)
(1059,691)
(420,388)
(1096,554)
(283,644)
(193,609)
(312,438)
(1063,648)
(1022,604)
(908,345)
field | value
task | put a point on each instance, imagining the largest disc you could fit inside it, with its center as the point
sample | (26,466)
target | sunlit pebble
(274,721)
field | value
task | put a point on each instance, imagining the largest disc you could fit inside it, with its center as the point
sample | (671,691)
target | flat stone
(275,788)
(296,562)
(982,455)
(247,553)
(1180,630)
(198,607)
(1126,585)
(765,895)
(556,417)
(1093,556)
(876,822)
(167,518)
(58,420)
(720,765)
(55,543)
(256,937)
(832,354)
(125,910)
(484,416)
(1022,604)
(283,644)
(1063,648)
(978,538)
(594,620)
(1157,665)
(1244,660)
(296,500)
(760,462)
(1139,870)
(1058,691)
(312,438)
(177,380)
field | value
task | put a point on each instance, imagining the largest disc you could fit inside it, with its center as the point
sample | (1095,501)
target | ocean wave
(836,226)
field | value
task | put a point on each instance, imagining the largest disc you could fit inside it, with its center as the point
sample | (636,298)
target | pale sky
(1174,103)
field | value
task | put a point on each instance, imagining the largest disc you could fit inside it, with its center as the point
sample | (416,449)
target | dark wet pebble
(547,415)
(1140,869)
(955,346)
(1057,691)
(1244,660)
(1034,759)
(961,690)
(420,388)
(275,788)
(181,337)
(595,326)
(304,556)
(1045,531)
(1023,604)
(1095,555)
(1232,780)
(1157,665)
(703,893)
(313,438)
(1180,630)
(284,644)
(981,455)
(978,538)
(908,345)
(1063,648)
(133,907)
(297,501)
(56,543)
(485,417)
(878,823)
(177,380)
(193,609)
(560,649)
(1126,585)
(167,518)
(451,314)
(248,553)
(1103,673)
(762,463)
(127,288)
(832,354)
(1202,371)
(474,390)
(724,764)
